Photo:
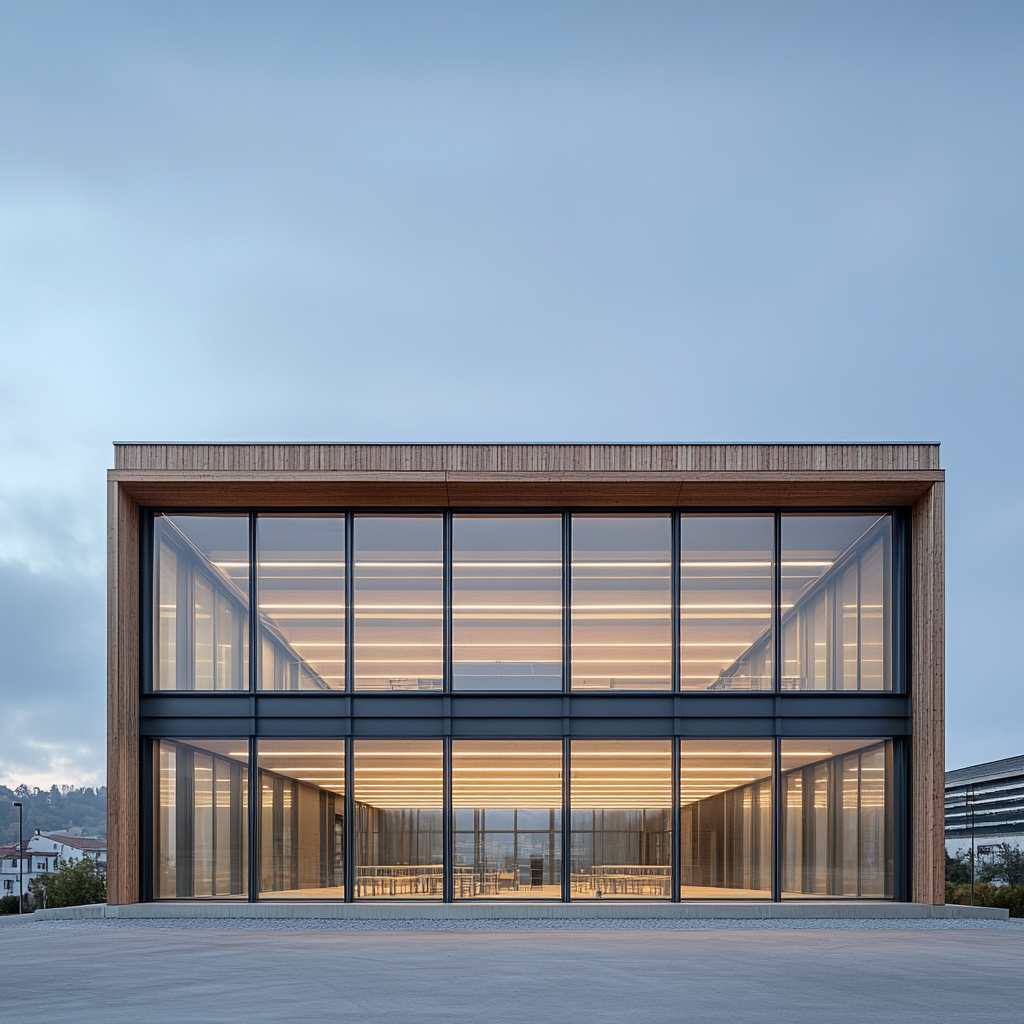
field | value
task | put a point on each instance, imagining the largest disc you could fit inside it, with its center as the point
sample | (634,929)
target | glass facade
(507,811)
(725,823)
(492,706)
(725,602)
(837,833)
(301,587)
(201,603)
(399,809)
(621,819)
(200,818)
(621,603)
(398,583)
(302,818)
(836,605)
(506,602)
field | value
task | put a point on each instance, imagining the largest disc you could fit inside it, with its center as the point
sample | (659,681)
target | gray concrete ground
(113,972)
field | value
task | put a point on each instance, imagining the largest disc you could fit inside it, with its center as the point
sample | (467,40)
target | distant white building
(44,853)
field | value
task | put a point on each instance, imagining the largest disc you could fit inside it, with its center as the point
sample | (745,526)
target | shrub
(76,883)
(1009,897)
(8,904)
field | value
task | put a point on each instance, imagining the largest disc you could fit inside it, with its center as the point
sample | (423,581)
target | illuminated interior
(837,825)
(398,603)
(301,587)
(725,602)
(507,611)
(621,819)
(507,813)
(621,602)
(399,800)
(201,599)
(725,826)
(200,819)
(506,602)
(302,819)
(836,578)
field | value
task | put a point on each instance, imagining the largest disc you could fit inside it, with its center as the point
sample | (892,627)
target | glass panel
(836,586)
(725,602)
(302,819)
(837,836)
(507,603)
(621,819)
(399,588)
(621,603)
(301,581)
(399,819)
(200,818)
(201,603)
(725,822)
(507,806)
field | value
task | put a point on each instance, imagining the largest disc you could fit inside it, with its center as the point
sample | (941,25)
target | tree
(958,868)
(1006,866)
(76,883)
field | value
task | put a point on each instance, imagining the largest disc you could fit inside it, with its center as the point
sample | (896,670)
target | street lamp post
(21,858)
(969,801)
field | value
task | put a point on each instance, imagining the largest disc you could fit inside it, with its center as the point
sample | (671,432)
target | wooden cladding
(527,458)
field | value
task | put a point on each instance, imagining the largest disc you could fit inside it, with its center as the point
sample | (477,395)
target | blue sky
(552,221)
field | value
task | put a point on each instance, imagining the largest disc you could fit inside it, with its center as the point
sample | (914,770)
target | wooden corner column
(123,835)
(927,691)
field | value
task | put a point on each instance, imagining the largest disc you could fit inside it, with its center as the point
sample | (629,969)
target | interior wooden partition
(527,475)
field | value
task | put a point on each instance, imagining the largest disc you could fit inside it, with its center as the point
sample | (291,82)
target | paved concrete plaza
(111,972)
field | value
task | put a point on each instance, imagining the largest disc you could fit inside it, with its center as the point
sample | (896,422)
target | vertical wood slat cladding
(123,805)
(927,639)
(538,458)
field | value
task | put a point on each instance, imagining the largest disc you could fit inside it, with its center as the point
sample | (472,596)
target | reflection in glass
(398,602)
(507,806)
(507,602)
(837,835)
(302,818)
(201,603)
(399,818)
(621,818)
(836,573)
(725,602)
(621,603)
(301,587)
(725,825)
(200,818)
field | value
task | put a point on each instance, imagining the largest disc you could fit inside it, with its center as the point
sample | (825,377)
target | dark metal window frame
(676,714)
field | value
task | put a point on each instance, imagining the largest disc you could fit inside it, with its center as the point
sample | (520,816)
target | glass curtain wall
(200,818)
(399,643)
(837,834)
(725,602)
(302,819)
(621,795)
(399,801)
(301,587)
(506,602)
(201,603)
(621,602)
(725,822)
(507,812)
(836,587)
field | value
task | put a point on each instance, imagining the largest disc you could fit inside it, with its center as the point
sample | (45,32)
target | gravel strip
(514,925)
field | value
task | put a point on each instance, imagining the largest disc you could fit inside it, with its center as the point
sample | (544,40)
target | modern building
(985,805)
(525,672)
